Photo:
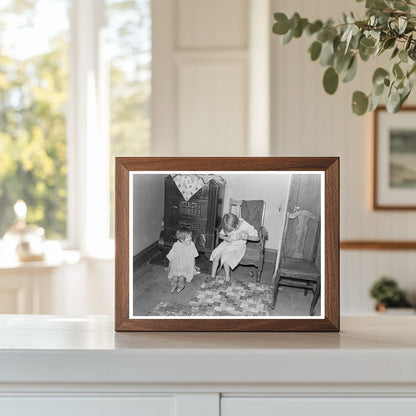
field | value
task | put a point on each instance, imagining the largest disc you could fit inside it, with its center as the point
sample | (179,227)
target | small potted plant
(387,294)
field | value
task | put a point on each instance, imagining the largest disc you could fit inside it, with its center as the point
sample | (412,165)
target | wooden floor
(151,288)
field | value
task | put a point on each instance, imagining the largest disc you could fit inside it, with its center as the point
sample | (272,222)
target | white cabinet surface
(88,406)
(268,406)
(61,365)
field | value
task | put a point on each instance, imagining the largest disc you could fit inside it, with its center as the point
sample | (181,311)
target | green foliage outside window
(34,103)
(33,98)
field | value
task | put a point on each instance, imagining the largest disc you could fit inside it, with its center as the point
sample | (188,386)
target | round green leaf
(367,42)
(314,27)
(366,53)
(379,75)
(281,26)
(330,80)
(359,103)
(315,50)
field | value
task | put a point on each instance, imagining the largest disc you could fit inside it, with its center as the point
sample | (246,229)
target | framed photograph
(227,244)
(394,179)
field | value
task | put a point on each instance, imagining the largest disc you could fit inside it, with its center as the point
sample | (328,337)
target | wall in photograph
(308,122)
(147,221)
(273,189)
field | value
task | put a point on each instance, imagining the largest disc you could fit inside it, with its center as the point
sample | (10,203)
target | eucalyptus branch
(389,25)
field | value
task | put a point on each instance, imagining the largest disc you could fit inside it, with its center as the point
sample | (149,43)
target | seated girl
(235,233)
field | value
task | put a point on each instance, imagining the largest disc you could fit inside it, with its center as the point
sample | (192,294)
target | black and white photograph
(226,244)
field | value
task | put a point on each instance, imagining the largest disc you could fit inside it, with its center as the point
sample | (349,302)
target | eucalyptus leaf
(376,4)
(374,102)
(411,79)
(288,37)
(395,52)
(281,26)
(378,89)
(379,75)
(350,73)
(330,80)
(389,43)
(402,22)
(404,96)
(315,50)
(342,62)
(314,27)
(403,56)
(294,20)
(397,71)
(298,30)
(366,53)
(359,103)
(408,42)
(327,54)
(400,5)
(393,101)
(367,42)
(323,35)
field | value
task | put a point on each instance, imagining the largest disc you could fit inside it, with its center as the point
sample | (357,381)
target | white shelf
(48,349)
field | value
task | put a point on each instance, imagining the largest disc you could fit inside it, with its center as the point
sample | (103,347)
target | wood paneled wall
(201,79)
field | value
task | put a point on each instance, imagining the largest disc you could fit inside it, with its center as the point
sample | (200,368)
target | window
(33,98)
(129,46)
(75,87)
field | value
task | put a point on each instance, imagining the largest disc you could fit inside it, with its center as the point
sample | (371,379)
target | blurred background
(83,81)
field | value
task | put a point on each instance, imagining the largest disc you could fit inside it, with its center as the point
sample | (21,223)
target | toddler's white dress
(232,252)
(182,258)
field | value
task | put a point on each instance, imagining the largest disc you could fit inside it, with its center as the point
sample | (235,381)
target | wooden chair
(253,212)
(297,264)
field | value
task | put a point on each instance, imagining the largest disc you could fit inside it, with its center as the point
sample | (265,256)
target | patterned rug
(220,298)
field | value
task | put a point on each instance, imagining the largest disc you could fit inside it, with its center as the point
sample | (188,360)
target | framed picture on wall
(227,244)
(394,179)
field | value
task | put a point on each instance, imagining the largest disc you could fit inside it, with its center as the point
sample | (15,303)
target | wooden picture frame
(135,212)
(394,158)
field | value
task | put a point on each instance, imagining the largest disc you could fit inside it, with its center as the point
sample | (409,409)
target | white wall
(204,88)
(308,122)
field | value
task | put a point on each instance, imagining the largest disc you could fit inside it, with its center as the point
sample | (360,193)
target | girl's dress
(182,260)
(232,252)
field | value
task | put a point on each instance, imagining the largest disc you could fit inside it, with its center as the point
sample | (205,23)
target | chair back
(252,211)
(301,235)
